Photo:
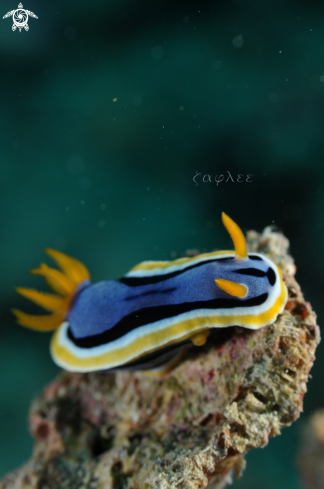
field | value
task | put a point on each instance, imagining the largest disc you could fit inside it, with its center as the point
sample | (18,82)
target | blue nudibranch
(143,320)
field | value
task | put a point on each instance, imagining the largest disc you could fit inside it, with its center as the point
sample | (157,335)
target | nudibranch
(144,320)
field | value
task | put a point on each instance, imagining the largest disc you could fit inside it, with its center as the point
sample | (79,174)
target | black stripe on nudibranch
(271,276)
(150,292)
(254,257)
(254,272)
(154,279)
(150,315)
(226,258)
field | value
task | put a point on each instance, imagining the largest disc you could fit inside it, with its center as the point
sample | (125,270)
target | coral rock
(188,429)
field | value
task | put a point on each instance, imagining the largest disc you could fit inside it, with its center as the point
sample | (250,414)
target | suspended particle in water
(237,41)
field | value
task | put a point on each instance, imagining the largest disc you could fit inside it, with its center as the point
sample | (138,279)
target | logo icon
(20,18)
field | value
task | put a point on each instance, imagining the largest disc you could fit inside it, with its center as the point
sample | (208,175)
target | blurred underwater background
(126,128)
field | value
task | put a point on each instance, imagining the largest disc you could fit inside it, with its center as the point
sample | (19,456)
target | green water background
(107,112)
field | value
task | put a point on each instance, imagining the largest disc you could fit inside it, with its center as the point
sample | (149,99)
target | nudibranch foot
(200,338)
(160,362)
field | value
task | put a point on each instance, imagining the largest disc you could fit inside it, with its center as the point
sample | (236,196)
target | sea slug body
(147,318)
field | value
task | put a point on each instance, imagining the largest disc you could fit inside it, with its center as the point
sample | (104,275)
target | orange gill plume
(64,283)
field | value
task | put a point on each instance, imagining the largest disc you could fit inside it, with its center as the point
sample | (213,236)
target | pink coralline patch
(91,410)
(172,407)
(207,375)
(211,392)
(235,353)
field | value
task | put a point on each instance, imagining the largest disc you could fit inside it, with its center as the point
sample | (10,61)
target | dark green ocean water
(107,112)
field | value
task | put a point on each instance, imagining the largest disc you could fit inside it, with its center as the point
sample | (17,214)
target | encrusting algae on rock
(189,428)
